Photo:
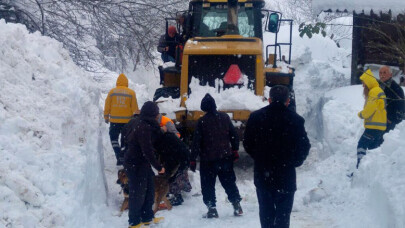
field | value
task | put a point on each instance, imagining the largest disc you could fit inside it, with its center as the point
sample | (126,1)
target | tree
(113,33)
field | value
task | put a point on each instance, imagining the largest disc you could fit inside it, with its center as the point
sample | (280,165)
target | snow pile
(374,197)
(48,133)
(396,6)
(241,98)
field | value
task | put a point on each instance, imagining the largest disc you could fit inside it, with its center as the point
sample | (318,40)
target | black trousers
(274,208)
(115,131)
(141,194)
(224,170)
(370,139)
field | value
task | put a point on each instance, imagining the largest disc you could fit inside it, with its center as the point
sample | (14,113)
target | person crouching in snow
(374,115)
(180,181)
(137,162)
(217,143)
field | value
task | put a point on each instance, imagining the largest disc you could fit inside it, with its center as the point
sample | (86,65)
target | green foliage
(309,29)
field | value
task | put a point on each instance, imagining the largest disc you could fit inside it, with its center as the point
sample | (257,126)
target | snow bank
(48,133)
(396,6)
(374,197)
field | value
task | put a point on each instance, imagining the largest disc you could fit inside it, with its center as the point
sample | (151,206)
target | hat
(208,103)
(171,30)
(149,109)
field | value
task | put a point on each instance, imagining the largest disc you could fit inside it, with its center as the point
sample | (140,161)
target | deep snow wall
(49,118)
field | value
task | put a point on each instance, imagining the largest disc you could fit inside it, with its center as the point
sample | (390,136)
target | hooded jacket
(215,136)
(374,113)
(143,132)
(120,103)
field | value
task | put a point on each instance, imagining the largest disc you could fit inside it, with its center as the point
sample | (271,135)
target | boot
(212,213)
(237,209)
(176,200)
(155,220)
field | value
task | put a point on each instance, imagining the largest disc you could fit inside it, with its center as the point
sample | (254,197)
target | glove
(106,121)
(235,155)
(193,165)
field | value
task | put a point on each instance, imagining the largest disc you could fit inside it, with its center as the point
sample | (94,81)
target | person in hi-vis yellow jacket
(119,107)
(374,115)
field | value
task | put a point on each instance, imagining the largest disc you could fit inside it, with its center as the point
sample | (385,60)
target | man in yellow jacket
(374,115)
(119,107)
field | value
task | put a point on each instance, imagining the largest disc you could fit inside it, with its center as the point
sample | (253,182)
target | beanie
(208,103)
(149,109)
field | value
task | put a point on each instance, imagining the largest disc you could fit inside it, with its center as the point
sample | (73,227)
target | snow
(396,6)
(57,167)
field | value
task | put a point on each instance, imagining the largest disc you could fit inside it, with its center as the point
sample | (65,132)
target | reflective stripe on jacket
(120,103)
(374,112)
(166,121)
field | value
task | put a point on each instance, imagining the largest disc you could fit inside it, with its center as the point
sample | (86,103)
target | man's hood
(122,80)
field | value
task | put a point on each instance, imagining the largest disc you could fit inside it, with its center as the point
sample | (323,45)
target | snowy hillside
(49,117)
(57,167)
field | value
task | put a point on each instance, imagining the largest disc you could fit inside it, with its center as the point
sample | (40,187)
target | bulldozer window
(214,21)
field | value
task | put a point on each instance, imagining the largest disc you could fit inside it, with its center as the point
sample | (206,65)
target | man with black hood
(276,139)
(216,142)
(143,131)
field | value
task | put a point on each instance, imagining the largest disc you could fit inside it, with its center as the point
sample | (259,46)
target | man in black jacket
(168,43)
(216,142)
(276,139)
(139,157)
(395,98)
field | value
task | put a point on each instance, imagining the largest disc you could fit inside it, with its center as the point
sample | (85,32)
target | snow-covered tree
(114,33)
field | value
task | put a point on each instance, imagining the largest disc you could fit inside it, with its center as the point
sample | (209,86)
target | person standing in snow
(137,162)
(119,107)
(276,139)
(216,142)
(168,43)
(374,115)
(395,98)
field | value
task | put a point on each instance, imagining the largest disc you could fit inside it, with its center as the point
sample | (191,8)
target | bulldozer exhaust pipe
(232,27)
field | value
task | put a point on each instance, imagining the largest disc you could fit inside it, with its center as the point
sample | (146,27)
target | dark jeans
(224,170)
(141,194)
(167,58)
(115,131)
(370,139)
(274,208)
(390,126)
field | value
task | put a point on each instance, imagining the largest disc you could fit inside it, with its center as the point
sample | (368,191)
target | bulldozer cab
(211,19)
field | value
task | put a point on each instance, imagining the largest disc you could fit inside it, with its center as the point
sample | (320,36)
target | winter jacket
(120,103)
(276,139)
(215,136)
(173,153)
(395,101)
(171,42)
(166,121)
(374,113)
(144,131)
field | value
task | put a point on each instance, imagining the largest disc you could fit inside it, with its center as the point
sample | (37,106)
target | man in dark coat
(395,98)
(137,162)
(276,139)
(168,43)
(216,142)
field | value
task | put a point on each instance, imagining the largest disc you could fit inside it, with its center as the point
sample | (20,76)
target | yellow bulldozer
(223,36)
